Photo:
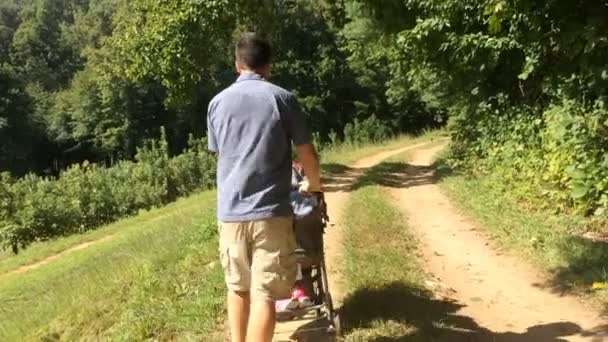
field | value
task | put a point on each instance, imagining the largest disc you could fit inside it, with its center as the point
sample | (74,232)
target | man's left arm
(211,138)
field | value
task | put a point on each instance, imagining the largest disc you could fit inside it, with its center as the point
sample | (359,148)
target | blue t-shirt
(251,125)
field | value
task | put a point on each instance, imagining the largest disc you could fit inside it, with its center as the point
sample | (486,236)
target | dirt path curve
(78,247)
(337,193)
(49,259)
(500,295)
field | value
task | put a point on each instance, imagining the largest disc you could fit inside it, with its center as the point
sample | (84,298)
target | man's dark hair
(253,51)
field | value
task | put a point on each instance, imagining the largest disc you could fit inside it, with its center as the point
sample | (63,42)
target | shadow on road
(436,319)
(339,177)
(315,331)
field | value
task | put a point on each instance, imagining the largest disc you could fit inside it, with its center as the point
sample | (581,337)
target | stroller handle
(319,195)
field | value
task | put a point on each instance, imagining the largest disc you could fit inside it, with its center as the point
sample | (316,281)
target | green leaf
(495,25)
(578,174)
(579,191)
(528,68)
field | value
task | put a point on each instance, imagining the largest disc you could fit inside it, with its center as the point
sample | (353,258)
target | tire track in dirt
(78,247)
(49,259)
(499,295)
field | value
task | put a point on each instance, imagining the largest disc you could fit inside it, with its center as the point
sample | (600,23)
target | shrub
(575,143)
(370,130)
(86,195)
(559,156)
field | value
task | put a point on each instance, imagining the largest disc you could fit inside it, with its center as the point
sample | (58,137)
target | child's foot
(286,305)
(305,302)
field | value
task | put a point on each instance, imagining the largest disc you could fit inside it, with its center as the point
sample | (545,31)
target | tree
(38,52)
(9,22)
(16,131)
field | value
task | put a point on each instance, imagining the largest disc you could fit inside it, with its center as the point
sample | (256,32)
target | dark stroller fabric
(308,226)
(309,235)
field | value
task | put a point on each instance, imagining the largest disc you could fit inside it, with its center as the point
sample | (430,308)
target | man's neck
(252,72)
(263,71)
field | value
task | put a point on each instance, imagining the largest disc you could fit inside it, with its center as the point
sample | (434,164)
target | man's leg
(273,274)
(234,254)
(238,315)
(261,326)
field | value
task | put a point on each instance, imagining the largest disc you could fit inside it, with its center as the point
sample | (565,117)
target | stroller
(310,221)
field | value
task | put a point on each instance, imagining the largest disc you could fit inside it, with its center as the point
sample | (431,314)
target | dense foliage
(526,84)
(92,80)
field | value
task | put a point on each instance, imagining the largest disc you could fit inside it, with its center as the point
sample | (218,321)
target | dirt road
(499,295)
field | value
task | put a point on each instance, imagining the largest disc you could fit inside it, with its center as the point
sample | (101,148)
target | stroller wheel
(336,327)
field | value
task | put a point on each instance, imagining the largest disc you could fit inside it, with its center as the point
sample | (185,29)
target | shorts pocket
(279,276)
(225,261)
(236,278)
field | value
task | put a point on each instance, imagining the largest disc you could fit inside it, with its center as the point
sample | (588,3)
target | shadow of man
(432,319)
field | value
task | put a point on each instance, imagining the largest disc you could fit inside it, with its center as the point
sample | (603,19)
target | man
(252,125)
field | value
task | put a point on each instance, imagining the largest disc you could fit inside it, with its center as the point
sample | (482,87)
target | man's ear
(237,67)
(266,71)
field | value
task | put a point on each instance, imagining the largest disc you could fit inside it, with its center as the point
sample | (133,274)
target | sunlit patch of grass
(42,250)
(157,278)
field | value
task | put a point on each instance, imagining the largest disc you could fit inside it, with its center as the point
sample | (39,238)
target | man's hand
(310,163)
(305,187)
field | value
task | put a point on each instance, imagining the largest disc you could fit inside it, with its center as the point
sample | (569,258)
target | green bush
(370,130)
(559,156)
(575,145)
(86,195)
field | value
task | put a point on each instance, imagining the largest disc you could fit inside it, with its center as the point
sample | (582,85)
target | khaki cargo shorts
(259,257)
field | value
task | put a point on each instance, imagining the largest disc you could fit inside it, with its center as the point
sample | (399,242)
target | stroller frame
(321,296)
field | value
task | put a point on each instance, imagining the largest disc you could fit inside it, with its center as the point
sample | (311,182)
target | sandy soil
(501,297)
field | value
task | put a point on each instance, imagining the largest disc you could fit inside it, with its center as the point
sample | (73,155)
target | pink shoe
(284,305)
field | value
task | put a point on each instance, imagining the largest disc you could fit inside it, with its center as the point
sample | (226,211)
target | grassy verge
(550,240)
(41,250)
(157,279)
(387,299)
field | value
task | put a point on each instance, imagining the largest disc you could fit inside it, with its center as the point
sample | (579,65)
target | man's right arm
(300,134)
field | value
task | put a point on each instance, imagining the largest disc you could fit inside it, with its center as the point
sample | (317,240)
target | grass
(41,250)
(155,277)
(348,154)
(551,241)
